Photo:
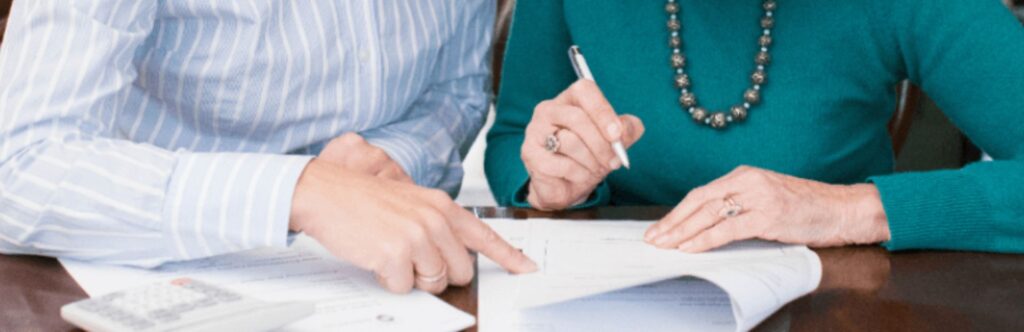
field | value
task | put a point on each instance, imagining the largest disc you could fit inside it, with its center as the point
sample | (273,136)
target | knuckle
(568,139)
(606,113)
(435,223)
(576,115)
(561,198)
(349,138)
(464,275)
(697,193)
(757,175)
(396,250)
(546,169)
(579,86)
(580,176)
(526,157)
(530,131)
(637,124)
(543,106)
(416,234)
(439,198)
(462,279)
(741,169)
(556,167)
(489,236)
(377,153)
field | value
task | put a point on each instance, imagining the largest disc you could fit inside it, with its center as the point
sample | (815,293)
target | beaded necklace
(751,97)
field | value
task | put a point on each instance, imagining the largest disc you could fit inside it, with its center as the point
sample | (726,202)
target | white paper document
(347,297)
(601,276)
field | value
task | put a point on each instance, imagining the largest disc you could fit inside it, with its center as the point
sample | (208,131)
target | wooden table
(862,289)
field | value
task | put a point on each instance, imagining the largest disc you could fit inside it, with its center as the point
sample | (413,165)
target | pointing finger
(481,238)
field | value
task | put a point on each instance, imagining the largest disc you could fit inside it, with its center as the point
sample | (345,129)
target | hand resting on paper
(751,203)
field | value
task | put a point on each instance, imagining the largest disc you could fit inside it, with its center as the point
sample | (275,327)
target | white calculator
(181,304)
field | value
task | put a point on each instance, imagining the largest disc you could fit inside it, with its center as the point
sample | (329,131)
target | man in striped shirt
(140,132)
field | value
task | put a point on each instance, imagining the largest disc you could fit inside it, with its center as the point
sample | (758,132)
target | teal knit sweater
(829,96)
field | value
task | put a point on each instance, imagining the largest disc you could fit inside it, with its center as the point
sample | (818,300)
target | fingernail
(615,164)
(686,246)
(614,130)
(650,235)
(531,266)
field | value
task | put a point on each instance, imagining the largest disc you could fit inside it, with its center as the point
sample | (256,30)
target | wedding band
(731,208)
(433,279)
(551,143)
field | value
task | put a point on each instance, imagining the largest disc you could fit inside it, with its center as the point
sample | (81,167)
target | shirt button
(364,56)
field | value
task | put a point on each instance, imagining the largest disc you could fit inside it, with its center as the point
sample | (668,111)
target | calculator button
(141,325)
(163,315)
(206,302)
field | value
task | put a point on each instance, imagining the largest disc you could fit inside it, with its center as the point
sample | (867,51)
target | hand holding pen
(574,141)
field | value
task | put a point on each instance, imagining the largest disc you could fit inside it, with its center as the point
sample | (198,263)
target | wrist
(304,197)
(866,215)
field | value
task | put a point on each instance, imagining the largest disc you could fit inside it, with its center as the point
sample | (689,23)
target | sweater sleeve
(969,57)
(536,68)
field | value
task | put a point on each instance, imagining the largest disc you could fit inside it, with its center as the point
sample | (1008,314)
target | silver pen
(583,71)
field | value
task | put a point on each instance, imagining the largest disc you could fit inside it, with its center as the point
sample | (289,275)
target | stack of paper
(590,273)
(347,298)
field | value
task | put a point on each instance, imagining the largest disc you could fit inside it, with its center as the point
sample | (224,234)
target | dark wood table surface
(862,288)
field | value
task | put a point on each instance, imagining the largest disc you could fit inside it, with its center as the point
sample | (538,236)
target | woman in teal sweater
(799,91)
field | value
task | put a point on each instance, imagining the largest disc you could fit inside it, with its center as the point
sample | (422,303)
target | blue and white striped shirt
(141,131)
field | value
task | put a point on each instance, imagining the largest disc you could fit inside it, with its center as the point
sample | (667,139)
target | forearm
(977,207)
(441,125)
(430,148)
(125,203)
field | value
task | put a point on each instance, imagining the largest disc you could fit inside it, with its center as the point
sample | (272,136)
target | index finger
(586,95)
(481,238)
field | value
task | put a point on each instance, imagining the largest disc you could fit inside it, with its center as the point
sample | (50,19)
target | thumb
(634,129)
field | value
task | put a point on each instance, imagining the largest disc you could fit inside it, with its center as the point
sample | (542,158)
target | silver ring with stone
(551,143)
(731,208)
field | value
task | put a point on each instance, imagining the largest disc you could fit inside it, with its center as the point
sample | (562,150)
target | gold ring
(433,279)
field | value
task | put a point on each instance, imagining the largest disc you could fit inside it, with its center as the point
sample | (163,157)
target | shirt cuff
(225,202)
(934,210)
(408,154)
(601,196)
